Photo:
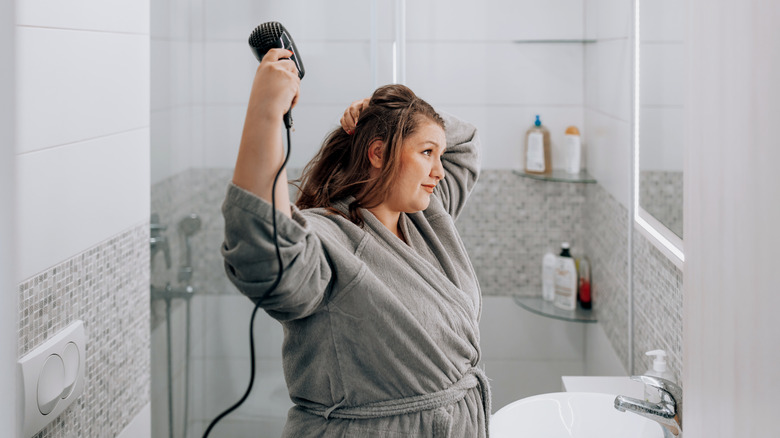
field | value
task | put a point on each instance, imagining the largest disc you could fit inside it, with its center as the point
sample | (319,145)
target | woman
(378,299)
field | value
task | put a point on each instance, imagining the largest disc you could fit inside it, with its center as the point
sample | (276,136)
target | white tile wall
(125,16)
(305,20)
(608,149)
(526,354)
(93,84)
(662,138)
(9,310)
(662,74)
(74,196)
(662,20)
(492,20)
(608,83)
(609,19)
(496,74)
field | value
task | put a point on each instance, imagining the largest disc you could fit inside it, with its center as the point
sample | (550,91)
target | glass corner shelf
(559,175)
(537,305)
(556,41)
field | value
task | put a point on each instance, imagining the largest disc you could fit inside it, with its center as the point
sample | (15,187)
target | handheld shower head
(188,226)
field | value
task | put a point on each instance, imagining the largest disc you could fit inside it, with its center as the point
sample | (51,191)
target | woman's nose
(438,170)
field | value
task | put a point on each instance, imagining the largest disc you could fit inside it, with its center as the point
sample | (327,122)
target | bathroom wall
(8,311)
(82,190)
(657,283)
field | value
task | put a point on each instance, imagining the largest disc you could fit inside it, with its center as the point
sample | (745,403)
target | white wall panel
(305,20)
(127,16)
(662,138)
(9,311)
(72,197)
(335,72)
(501,73)
(510,332)
(608,148)
(662,74)
(93,84)
(600,357)
(662,20)
(731,346)
(608,83)
(494,20)
(609,19)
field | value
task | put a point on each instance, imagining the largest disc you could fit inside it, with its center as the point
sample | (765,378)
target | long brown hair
(341,168)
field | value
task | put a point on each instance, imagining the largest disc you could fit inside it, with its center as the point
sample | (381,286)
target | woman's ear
(375,153)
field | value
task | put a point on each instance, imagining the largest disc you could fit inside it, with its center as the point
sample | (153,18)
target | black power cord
(257,306)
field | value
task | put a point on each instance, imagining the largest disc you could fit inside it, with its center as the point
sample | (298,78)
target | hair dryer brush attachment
(272,35)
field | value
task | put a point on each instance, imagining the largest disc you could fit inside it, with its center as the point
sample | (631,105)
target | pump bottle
(657,369)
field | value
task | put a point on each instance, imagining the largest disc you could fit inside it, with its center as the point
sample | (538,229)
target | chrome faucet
(667,412)
(157,241)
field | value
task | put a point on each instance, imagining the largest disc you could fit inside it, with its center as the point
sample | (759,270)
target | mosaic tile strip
(661,194)
(510,222)
(657,306)
(607,247)
(107,287)
(507,226)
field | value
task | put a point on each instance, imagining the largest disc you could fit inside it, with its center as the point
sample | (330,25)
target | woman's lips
(429,187)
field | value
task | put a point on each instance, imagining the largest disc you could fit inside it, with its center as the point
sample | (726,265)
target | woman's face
(420,169)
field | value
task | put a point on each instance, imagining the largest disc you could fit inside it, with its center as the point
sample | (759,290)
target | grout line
(82,140)
(28,26)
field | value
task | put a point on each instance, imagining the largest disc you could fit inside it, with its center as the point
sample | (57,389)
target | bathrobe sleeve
(251,262)
(461,164)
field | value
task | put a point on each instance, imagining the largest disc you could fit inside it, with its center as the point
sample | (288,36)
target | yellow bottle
(537,149)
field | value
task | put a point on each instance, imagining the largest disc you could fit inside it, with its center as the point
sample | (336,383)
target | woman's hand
(276,85)
(350,118)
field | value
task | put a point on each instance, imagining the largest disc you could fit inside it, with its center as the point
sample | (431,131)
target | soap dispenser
(657,369)
(537,149)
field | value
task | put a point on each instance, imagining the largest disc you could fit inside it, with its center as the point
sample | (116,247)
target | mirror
(659,108)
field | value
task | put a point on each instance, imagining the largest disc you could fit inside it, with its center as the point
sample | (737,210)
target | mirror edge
(657,233)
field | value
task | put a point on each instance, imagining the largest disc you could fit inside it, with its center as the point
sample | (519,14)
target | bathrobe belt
(437,401)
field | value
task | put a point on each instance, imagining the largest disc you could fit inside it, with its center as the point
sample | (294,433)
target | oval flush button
(70,359)
(50,383)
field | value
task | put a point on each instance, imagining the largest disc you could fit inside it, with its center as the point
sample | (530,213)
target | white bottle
(573,148)
(548,276)
(565,280)
(657,369)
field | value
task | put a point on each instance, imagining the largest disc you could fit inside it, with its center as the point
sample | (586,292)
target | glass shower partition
(202,71)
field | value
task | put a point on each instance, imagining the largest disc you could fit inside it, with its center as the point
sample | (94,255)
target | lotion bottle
(565,280)
(657,369)
(573,146)
(537,149)
(548,276)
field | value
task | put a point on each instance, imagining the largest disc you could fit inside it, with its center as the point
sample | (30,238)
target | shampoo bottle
(537,149)
(657,369)
(548,276)
(573,150)
(565,280)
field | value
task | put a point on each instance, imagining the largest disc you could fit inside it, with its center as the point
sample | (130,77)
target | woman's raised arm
(261,154)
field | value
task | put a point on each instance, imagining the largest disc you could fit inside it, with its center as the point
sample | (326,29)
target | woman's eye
(428,152)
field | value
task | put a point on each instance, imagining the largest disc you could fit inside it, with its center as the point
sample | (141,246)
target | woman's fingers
(352,114)
(276,85)
(273,55)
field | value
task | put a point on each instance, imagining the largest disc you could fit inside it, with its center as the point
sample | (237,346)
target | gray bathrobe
(381,338)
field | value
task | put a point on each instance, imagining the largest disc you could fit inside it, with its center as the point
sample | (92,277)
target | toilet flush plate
(51,377)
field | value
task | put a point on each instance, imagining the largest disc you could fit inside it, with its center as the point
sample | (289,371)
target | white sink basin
(570,415)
